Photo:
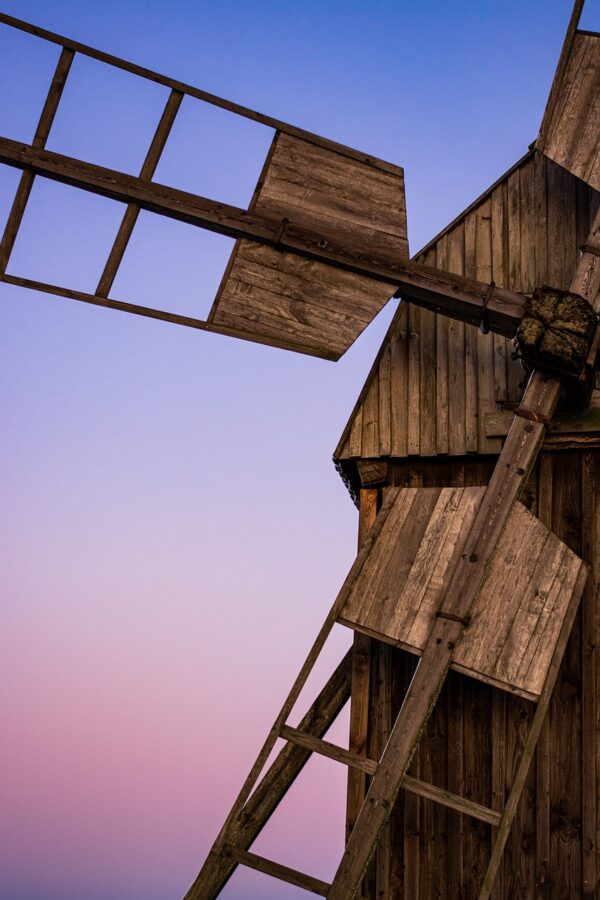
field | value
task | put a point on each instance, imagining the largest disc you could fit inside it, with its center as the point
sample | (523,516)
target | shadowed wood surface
(524,597)
(305,300)
(436,380)
(475,738)
(571,133)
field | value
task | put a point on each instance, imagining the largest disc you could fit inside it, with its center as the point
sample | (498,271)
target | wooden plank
(276,782)
(438,258)
(427,381)
(542,775)
(486,386)
(399,384)
(589,699)
(572,132)
(327,749)
(17,211)
(471,363)
(414,381)
(370,422)
(361,676)
(497,424)
(381,705)
(384,376)
(276,870)
(452,801)
(131,213)
(456,354)
(499,235)
(560,71)
(523,768)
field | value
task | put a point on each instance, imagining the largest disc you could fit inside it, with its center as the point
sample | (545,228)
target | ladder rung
(310,742)
(268,867)
(445,798)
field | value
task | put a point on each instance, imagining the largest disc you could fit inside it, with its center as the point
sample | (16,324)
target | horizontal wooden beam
(452,295)
(497,424)
(325,748)
(198,94)
(276,870)
(452,801)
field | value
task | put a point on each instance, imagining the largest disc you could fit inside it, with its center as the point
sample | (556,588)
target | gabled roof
(435,381)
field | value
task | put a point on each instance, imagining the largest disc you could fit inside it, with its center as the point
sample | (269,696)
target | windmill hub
(557,331)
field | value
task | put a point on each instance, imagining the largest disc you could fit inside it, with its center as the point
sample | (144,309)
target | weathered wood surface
(281,293)
(524,232)
(276,870)
(524,597)
(570,133)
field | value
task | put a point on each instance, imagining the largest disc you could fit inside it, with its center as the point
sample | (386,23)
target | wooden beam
(452,801)
(191,91)
(510,473)
(497,424)
(331,751)
(131,213)
(275,784)
(42,131)
(452,295)
(276,870)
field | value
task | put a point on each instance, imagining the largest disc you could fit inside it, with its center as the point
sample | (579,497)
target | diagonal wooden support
(41,136)
(275,784)
(514,463)
(132,212)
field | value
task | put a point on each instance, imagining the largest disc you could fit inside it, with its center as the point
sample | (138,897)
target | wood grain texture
(522,233)
(525,593)
(306,300)
(571,134)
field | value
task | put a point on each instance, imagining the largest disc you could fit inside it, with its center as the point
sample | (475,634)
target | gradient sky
(173,528)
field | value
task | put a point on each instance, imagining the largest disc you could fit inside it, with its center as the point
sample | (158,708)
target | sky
(173,528)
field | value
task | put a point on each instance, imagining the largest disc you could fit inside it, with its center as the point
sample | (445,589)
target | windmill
(454,570)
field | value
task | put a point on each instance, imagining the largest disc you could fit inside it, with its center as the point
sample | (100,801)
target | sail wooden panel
(527,590)
(570,134)
(436,381)
(305,304)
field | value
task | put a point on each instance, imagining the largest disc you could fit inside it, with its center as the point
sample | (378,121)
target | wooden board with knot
(305,304)
(531,588)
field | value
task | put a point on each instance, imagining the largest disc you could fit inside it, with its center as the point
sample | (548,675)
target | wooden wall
(434,378)
(475,737)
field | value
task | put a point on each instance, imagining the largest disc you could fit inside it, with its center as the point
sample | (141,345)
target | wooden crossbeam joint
(276,870)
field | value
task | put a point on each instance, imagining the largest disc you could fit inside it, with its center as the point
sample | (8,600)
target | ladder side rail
(42,131)
(237,808)
(274,785)
(531,741)
(131,214)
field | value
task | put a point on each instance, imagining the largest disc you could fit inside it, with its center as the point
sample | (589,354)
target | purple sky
(173,528)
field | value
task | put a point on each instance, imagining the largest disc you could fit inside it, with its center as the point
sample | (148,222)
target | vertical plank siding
(474,739)
(436,378)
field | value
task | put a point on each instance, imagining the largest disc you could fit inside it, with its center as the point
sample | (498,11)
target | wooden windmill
(476,477)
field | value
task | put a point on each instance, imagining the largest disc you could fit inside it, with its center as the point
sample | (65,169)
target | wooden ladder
(388,774)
